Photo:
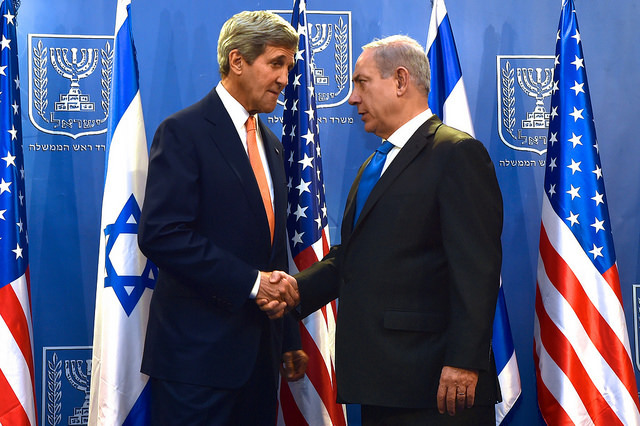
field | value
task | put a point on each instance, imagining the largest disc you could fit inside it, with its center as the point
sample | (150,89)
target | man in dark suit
(418,268)
(213,222)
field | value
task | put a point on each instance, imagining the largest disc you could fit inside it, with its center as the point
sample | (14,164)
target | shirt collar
(401,136)
(235,109)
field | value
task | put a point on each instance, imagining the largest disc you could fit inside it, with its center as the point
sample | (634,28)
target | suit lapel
(422,138)
(350,207)
(225,137)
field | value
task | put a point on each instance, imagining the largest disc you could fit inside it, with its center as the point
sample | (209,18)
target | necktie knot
(251,124)
(385,148)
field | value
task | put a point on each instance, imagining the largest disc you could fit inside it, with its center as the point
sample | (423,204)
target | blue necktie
(370,176)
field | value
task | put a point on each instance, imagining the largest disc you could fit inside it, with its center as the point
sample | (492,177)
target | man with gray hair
(418,268)
(214,223)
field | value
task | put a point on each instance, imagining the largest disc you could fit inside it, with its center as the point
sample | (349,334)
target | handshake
(278,293)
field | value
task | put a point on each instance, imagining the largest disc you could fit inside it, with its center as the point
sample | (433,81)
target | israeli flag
(448,100)
(119,392)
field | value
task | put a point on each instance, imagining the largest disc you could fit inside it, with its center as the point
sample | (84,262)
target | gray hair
(251,32)
(402,51)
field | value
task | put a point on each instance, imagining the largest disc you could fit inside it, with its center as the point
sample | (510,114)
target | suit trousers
(392,416)
(253,404)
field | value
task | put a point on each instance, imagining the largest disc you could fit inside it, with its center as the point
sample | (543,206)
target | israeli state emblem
(70,83)
(329,35)
(524,99)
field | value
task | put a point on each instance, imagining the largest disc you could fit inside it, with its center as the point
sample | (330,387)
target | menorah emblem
(318,43)
(81,381)
(538,88)
(74,70)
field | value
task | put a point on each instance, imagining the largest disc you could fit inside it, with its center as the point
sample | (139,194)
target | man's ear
(236,62)
(401,77)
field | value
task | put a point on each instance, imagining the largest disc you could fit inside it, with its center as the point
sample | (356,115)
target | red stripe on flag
(612,278)
(598,329)
(321,378)
(11,410)
(565,356)
(325,243)
(290,412)
(13,315)
(305,258)
(553,413)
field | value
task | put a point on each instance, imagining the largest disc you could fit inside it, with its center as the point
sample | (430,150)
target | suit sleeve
(471,214)
(319,284)
(291,333)
(167,233)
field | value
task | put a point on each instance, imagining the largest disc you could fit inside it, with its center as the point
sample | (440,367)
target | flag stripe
(15,318)
(455,112)
(585,333)
(555,412)
(612,278)
(502,330)
(16,365)
(139,414)
(597,289)
(445,71)
(562,278)
(125,71)
(566,359)
(321,378)
(11,408)
(290,411)
(578,268)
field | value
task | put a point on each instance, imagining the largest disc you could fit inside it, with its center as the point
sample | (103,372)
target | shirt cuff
(256,287)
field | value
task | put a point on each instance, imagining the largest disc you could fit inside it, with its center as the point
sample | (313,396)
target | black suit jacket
(417,276)
(203,224)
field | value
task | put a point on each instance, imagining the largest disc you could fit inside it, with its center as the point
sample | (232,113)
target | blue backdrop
(176,42)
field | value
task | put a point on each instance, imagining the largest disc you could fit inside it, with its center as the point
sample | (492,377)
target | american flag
(582,354)
(312,400)
(448,100)
(17,400)
(120,394)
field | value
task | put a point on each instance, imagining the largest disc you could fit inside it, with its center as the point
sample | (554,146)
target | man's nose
(354,98)
(283,77)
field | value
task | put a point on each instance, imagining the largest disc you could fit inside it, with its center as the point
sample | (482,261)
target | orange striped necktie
(258,170)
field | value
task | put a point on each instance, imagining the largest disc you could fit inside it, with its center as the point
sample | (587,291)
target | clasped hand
(278,293)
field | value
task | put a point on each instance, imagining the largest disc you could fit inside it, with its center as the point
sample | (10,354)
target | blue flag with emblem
(119,392)
(448,100)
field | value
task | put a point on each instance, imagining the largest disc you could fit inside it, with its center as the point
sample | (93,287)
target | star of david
(128,288)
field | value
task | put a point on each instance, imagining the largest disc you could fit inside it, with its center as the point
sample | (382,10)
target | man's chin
(268,108)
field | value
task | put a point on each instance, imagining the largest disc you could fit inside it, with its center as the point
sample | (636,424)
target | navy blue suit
(204,225)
